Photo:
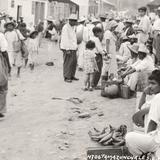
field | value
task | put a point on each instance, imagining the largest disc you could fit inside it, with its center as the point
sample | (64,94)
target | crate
(109,153)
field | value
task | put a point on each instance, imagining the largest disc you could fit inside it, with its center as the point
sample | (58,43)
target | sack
(24,50)
(17,45)
(3,71)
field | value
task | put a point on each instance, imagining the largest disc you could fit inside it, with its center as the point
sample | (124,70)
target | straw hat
(134,48)
(95,20)
(82,19)
(50,18)
(143,48)
(103,16)
(129,21)
(112,24)
(132,36)
(73,17)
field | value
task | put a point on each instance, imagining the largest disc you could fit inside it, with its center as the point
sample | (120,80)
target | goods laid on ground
(109,135)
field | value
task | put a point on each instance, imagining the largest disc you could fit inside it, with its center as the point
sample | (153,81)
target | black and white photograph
(80,79)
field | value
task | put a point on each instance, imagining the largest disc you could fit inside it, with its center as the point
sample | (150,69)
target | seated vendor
(145,64)
(148,142)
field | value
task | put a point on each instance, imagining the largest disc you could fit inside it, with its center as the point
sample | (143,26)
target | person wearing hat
(156,32)
(124,53)
(82,39)
(145,64)
(110,67)
(103,23)
(98,34)
(51,28)
(69,47)
(32,47)
(144,26)
(14,37)
(5,69)
(128,29)
(148,141)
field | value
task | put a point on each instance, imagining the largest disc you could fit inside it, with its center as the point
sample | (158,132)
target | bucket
(125,91)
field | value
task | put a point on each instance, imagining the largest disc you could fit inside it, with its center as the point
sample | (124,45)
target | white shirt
(124,52)
(154,115)
(12,37)
(112,45)
(145,26)
(68,38)
(99,47)
(156,25)
(146,65)
(120,27)
(3,43)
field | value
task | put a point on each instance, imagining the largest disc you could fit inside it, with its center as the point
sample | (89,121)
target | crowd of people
(113,48)
(106,48)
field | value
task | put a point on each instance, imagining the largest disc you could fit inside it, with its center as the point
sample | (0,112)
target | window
(12,3)
(33,7)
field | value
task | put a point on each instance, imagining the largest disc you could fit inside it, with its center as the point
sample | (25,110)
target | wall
(27,9)
(3,6)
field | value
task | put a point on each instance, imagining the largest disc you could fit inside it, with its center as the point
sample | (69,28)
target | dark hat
(9,23)
(33,32)
(142,9)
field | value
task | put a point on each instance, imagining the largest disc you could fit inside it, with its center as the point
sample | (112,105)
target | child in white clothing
(90,65)
(32,49)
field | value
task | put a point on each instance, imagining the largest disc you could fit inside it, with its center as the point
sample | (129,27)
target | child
(90,65)
(32,49)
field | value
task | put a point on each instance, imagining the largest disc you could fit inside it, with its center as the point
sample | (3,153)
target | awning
(64,1)
(81,2)
(109,3)
(154,3)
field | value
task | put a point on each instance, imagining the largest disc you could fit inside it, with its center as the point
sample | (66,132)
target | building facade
(31,10)
(62,9)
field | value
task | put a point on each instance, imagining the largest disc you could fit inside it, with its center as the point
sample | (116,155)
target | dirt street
(42,120)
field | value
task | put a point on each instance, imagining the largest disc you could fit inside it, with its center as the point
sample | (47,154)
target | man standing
(144,26)
(156,41)
(68,45)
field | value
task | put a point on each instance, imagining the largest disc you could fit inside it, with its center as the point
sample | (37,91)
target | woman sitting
(143,143)
(143,65)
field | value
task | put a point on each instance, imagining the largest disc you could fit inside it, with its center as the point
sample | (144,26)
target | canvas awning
(64,1)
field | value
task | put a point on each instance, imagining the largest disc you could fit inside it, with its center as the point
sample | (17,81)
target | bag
(24,50)
(3,71)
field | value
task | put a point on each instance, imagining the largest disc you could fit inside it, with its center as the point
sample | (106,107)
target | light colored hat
(50,18)
(132,36)
(73,17)
(82,19)
(129,21)
(143,48)
(112,24)
(134,48)
(103,16)
(95,20)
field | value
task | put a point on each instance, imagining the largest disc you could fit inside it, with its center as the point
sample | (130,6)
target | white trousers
(140,143)
(133,81)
